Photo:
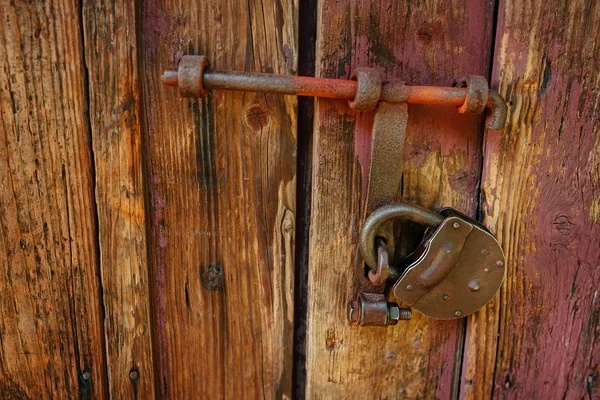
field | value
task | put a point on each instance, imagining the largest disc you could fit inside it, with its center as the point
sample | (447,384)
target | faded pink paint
(157,26)
(549,343)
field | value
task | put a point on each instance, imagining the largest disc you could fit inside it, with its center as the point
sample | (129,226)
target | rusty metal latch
(450,275)
(193,78)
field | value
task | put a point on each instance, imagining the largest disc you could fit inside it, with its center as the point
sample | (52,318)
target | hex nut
(396,313)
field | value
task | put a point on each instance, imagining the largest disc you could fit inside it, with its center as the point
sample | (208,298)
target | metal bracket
(365,91)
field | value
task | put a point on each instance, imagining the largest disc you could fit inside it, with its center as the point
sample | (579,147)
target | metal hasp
(443,259)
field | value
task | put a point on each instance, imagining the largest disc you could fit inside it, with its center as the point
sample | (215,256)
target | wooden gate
(160,247)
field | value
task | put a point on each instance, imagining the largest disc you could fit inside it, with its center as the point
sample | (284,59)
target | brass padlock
(456,270)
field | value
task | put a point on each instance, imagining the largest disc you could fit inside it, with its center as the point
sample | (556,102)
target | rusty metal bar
(192,80)
(396,92)
(283,84)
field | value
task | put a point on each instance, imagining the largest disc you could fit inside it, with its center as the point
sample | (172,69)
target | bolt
(395,314)
(484,251)
(457,313)
(409,287)
(353,310)
(456,225)
(445,297)
(170,78)
(474,285)
(87,375)
(500,263)
(486,270)
(133,375)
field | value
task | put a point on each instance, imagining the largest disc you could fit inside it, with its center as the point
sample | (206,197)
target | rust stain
(332,341)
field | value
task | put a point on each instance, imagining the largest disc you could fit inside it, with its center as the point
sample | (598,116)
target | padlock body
(455,271)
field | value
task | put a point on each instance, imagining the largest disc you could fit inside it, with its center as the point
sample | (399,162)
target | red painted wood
(541,195)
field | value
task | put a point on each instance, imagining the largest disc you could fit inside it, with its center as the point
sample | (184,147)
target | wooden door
(160,247)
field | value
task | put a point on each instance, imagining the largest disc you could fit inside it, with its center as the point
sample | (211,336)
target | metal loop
(496,118)
(368,89)
(189,75)
(379,217)
(477,94)
(381,275)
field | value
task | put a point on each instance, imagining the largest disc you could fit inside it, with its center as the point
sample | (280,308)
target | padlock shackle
(384,214)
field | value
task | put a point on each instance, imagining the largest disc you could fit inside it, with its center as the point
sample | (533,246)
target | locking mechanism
(456,270)
(459,266)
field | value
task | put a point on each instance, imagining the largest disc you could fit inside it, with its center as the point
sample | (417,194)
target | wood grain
(111,55)
(425,43)
(541,196)
(51,338)
(221,174)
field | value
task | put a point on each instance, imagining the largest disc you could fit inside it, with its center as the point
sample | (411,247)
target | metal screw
(133,375)
(457,313)
(456,225)
(353,311)
(87,375)
(486,270)
(445,297)
(500,263)
(484,251)
(395,314)
(409,287)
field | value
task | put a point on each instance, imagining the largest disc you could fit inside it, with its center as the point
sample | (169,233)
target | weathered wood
(221,175)
(111,55)
(541,196)
(51,338)
(428,43)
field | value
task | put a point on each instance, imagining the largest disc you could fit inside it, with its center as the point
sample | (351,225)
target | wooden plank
(429,43)
(51,339)
(111,55)
(221,174)
(541,196)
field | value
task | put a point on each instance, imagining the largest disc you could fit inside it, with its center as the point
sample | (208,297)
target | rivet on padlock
(456,270)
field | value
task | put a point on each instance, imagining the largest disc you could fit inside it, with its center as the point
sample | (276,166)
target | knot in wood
(257,116)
